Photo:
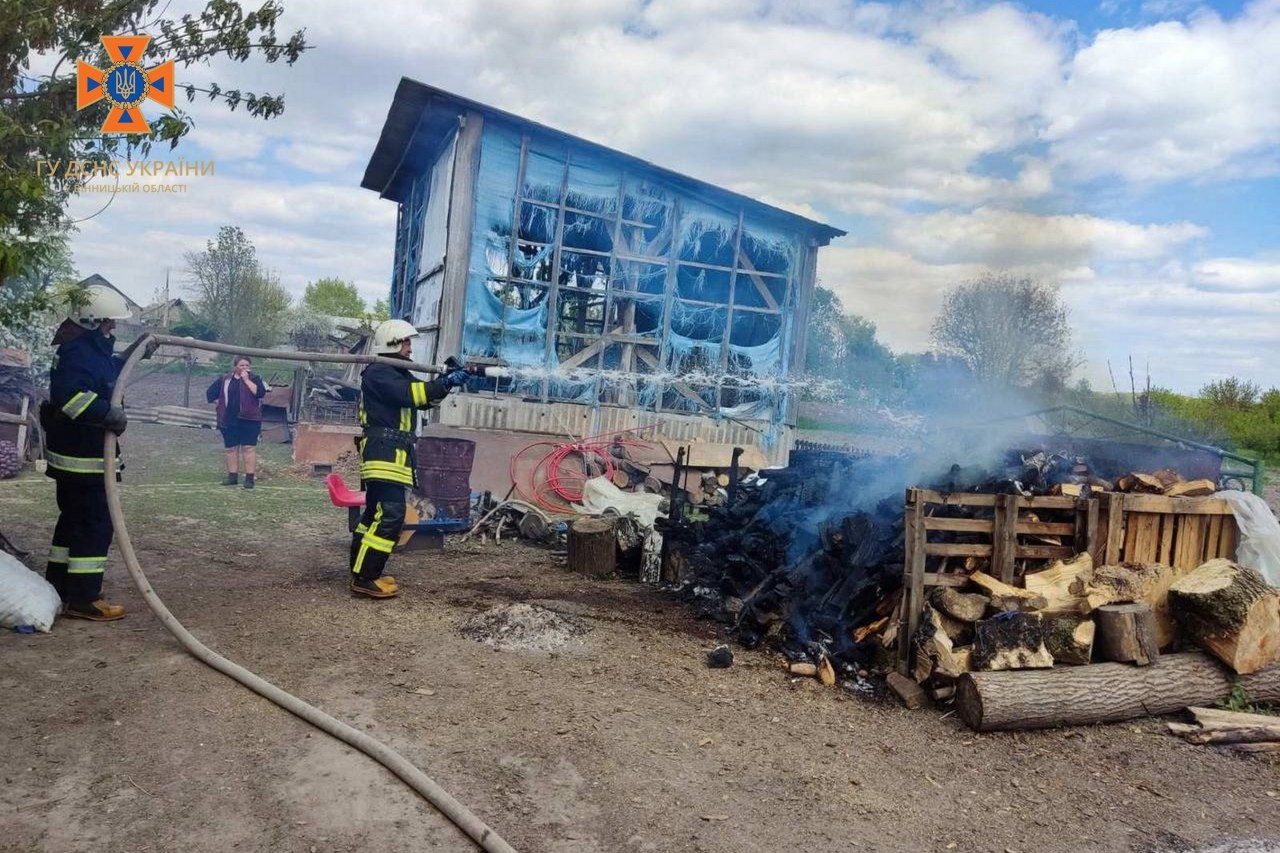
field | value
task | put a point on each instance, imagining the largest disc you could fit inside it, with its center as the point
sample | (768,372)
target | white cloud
(1245,274)
(1005,238)
(1173,100)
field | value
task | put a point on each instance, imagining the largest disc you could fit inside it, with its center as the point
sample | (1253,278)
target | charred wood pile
(793,561)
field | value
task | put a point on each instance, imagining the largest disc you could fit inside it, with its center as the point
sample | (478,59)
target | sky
(1128,152)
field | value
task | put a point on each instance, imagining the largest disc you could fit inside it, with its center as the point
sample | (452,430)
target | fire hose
(484,837)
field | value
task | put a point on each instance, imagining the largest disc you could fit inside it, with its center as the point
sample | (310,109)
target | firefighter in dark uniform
(389,398)
(79,410)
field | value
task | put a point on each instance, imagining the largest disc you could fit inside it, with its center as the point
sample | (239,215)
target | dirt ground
(114,739)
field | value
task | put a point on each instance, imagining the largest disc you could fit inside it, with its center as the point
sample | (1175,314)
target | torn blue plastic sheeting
(587,249)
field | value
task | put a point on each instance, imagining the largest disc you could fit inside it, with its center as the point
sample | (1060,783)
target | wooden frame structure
(1012,517)
(1178,532)
(1113,528)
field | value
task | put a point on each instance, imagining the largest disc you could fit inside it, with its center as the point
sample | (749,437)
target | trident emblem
(126,82)
(125,85)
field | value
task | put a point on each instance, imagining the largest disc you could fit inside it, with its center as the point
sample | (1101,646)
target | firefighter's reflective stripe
(76,464)
(360,528)
(378,543)
(419,392)
(75,407)
(376,470)
(58,554)
(86,565)
(364,542)
(406,420)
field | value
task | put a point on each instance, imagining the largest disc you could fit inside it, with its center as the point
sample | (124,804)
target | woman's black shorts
(241,433)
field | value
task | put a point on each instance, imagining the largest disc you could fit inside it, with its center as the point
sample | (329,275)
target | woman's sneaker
(232,479)
(248,481)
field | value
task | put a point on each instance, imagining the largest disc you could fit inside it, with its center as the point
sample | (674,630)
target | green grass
(1240,702)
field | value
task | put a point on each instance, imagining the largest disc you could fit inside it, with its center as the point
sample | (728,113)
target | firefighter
(388,399)
(75,417)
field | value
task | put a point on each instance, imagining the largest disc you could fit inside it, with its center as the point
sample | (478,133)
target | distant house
(165,315)
(125,329)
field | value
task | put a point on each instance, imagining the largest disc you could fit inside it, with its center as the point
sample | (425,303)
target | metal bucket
(444,474)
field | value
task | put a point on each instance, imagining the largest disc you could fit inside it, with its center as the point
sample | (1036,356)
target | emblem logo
(125,84)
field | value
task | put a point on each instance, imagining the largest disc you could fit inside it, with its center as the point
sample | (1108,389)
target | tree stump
(592,547)
(1126,633)
(1231,612)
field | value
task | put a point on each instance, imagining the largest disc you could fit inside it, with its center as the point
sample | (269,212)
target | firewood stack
(972,638)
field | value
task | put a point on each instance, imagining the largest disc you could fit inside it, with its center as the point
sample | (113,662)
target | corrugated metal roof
(414,103)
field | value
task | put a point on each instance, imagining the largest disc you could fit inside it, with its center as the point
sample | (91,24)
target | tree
(843,347)
(1009,331)
(309,329)
(39,122)
(239,300)
(334,297)
(381,311)
(1231,393)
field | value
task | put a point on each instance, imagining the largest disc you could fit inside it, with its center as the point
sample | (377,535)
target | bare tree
(235,296)
(1008,330)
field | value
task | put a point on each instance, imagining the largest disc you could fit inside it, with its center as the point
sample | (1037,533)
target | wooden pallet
(1010,522)
(1179,532)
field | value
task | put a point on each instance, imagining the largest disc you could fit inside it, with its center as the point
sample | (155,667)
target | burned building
(622,294)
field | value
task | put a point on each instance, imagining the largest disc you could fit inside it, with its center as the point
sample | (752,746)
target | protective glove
(115,420)
(456,378)
(149,350)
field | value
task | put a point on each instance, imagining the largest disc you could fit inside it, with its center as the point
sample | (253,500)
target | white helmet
(100,303)
(389,334)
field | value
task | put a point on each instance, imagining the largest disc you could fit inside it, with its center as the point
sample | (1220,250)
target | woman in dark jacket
(239,397)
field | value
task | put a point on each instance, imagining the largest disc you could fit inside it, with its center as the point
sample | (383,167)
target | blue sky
(1127,151)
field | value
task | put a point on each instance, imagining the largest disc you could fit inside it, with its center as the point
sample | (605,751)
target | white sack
(25,597)
(599,494)
(1259,546)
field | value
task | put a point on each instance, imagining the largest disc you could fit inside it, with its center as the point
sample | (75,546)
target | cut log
(1014,604)
(1010,641)
(1127,633)
(1192,489)
(1221,728)
(944,693)
(1141,483)
(592,547)
(1230,611)
(860,634)
(802,669)
(1220,718)
(995,587)
(1102,693)
(911,694)
(1168,477)
(1069,637)
(1063,583)
(960,633)
(936,655)
(620,479)
(962,606)
(1129,582)
(826,672)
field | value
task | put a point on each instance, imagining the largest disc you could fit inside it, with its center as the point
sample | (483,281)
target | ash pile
(794,558)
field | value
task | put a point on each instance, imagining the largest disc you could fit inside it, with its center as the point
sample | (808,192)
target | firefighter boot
(383,587)
(94,611)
